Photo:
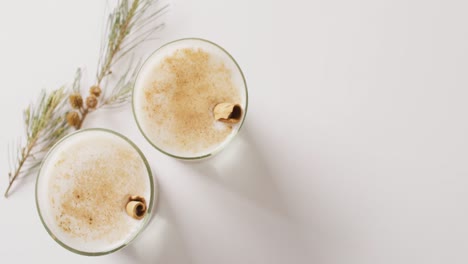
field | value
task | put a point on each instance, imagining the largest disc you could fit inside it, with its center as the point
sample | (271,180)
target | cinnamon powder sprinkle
(93,208)
(179,102)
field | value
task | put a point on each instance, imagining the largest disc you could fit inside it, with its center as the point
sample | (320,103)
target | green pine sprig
(45,124)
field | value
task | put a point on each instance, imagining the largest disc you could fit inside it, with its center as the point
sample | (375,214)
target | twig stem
(24,156)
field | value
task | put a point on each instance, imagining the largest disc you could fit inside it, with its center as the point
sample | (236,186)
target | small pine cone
(73,119)
(95,90)
(76,101)
(91,102)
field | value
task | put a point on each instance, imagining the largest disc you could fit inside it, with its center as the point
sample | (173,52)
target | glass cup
(190,98)
(94,192)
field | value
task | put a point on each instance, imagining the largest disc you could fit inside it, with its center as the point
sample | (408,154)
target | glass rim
(225,142)
(146,218)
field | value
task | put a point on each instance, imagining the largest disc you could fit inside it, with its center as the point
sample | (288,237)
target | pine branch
(45,124)
(119,27)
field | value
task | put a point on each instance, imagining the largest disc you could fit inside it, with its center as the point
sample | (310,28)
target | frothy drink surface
(83,187)
(176,92)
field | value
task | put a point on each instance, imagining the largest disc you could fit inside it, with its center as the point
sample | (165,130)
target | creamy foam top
(176,92)
(83,187)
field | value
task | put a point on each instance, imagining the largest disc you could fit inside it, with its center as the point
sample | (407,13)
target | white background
(354,150)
